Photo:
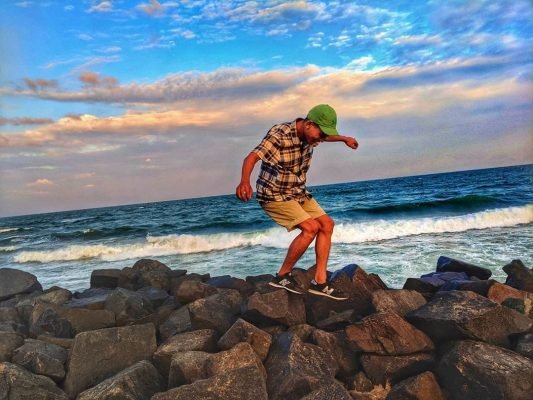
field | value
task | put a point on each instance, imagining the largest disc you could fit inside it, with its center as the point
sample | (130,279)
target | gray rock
(13,282)
(240,356)
(332,390)
(187,367)
(242,331)
(229,282)
(524,345)
(156,296)
(128,306)
(92,299)
(46,320)
(419,387)
(399,301)
(191,290)
(178,321)
(41,358)
(138,382)
(475,370)
(519,276)
(66,343)
(275,307)
(446,264)
(105,278)
(9,341)
(9,314)
(209,313)
(337,320)
(18,384)
(152,273)
(382,369)
(336,344)
(98,355)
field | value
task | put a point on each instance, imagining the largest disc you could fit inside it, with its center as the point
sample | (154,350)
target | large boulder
(419,387)
(387,334)
(382,369)
(9,341)
(476,370)
(399,301)
(446,264)
(156,296)
(524,345)
(92,299)
(519,276)
(46,320)
(499,293)
(151,273)
(42,358)
(274,307)
(242,331)
(16,383)
(187,367)
(128,306)
(214,312)
(468,315)
(240,356)
(105,278)
(98,355)
(138,382)
(229,282)
(178,321)
(336,344)
(295,368)
(13,282)
(190,290)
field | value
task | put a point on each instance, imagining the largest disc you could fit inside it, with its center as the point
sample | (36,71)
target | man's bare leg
(300,244)
(322,247)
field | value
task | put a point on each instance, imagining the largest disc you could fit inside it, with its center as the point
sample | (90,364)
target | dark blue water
(395,227)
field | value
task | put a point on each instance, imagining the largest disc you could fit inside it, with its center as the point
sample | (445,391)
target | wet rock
(275,307)
(382,369)
(419,387)
(476,370)
(499,293)
(178,321)
(98,355)
(336,345)
(9,341)
(467,315)
(16,384)
(128,306)
(41,358)
(187,367)
(399,301)
(446,264)
(140,381)
(519,276)
(242,331)
(295,368)
(524,345)
(13,282)
(105,278)
(332,390)
(191,290)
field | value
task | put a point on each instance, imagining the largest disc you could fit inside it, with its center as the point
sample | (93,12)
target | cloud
(39,183)
(92,79)
(39,84)
(24,121)
(103,6)
(154,8)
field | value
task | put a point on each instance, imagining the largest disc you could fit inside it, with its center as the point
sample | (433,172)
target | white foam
(3,230)
(344,233)
(7,248)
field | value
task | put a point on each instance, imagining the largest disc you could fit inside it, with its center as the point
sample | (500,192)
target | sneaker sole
(326,295)
(284,287)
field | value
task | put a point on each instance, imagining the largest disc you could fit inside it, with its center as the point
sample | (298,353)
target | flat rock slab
(242,331)
(42,358)
(98,355)
(140,381)
(419,387)
(382,369)
(400,301)
(13,282)
(476,370)
(17,383)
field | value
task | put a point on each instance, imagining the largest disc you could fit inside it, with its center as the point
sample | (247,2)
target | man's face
(313,134)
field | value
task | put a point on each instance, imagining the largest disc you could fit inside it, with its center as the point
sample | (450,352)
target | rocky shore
(149,332)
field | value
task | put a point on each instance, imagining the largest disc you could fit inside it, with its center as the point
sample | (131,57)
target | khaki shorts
(291,213)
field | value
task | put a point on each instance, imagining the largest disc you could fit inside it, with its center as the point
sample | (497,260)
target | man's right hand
(244,191)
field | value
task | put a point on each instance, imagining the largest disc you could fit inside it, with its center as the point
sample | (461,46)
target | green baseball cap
(325,117)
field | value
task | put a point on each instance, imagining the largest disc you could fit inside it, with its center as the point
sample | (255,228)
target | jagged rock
(337,320)
(140,381)
(242,331)
(156,296)
(295,368)
(277,329)
(46,320)
(332,390)
(152,273)
(387,334)
(422,286)
(360,383)
(303,331)
(336,345)
(92,299)
(128,306)
(178,321)
(98,355)
(191,290)
(105,278)
(446,264)
(201,340)
(275,307)
(187,367)
(381,369)
(238,384)
(216,312)
(519,276)
(13,282)
(228,282)
(399,301)
(499,293)
(524,345)
(9,341)
(378,392)
(17,384)
(475,370)
(467,315)
(41,358)
(419,387)
(240,356)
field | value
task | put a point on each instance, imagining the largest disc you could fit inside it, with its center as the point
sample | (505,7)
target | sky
(118,102)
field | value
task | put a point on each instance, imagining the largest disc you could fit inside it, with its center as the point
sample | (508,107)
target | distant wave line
(4,230)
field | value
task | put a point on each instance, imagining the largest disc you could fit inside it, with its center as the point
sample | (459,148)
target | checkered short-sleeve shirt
(285,162)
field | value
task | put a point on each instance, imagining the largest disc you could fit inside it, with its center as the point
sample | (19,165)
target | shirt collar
(294,135)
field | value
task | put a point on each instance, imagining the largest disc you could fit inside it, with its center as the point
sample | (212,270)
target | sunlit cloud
(24,121)
(39,183)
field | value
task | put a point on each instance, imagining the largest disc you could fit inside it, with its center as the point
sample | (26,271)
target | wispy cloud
(102,6)
(24,121)
(39,183)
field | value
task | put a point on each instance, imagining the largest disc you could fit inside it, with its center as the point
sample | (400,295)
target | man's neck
(300,128)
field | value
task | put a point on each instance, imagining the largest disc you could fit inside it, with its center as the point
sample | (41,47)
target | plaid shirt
(285,161)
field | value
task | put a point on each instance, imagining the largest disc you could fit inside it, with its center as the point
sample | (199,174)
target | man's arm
(349,141)
(244,191)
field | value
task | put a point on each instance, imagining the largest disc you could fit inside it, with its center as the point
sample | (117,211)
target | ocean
(396,228)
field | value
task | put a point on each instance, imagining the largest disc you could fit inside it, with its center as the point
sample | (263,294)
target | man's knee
(310,227)
(326,224)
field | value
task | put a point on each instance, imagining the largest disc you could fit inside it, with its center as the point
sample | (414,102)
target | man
(286,153)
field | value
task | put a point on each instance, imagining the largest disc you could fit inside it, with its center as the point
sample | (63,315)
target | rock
(332,390)
(387,334)
(361,383)
(295,368)
(228,282)
(524,345)
(242,331)
(190,290)
(210,314)
(240,356)
(178,321)
(467,315)
(105,278)
(303,331)
(128,306)
(13,282)
(140,381)
(422,286)
(378,392)
(41,358)
(66,343)
(475,370)
(9,341)
(17,384)
(480,287)
(337,320)
(499,293)
(155,296)
(152,273)
(238,384)
(201,340)
(336,345)
(98,355)
(55,295)
(519,276)
(92,299)
(187,367)
(419,387)
(399,301)
(45,320)
(382,369)
(275,307)
(446,264)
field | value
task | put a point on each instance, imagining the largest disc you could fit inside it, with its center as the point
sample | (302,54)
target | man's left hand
(351,142)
